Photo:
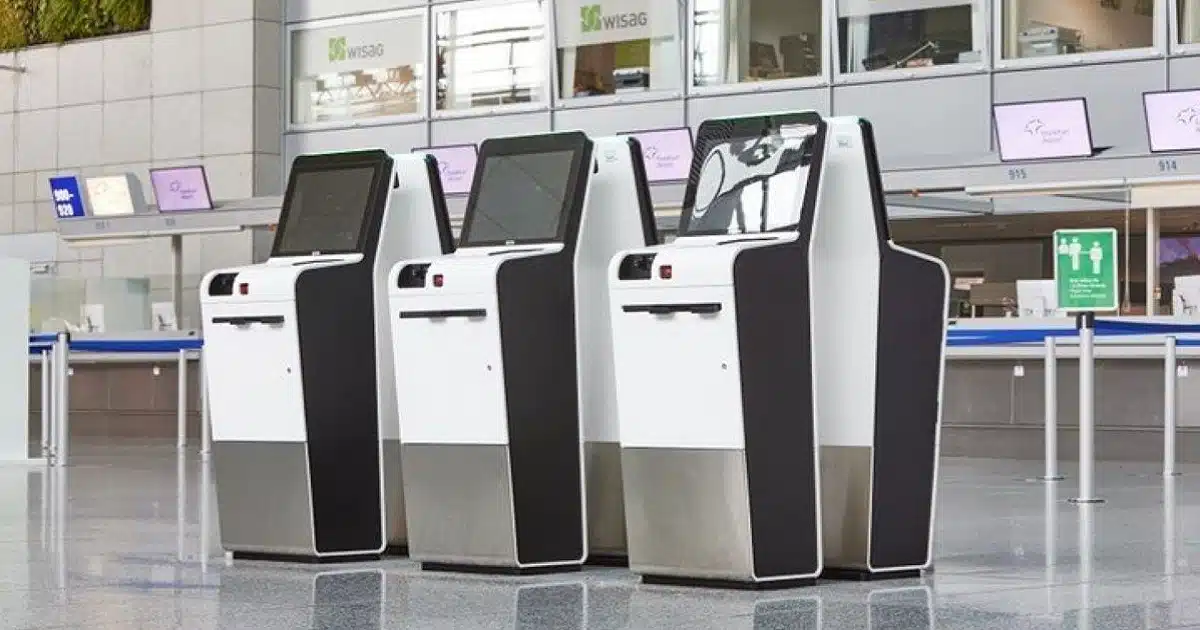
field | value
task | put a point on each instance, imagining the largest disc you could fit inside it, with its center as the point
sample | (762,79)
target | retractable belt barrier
(55,351)
(1169,331)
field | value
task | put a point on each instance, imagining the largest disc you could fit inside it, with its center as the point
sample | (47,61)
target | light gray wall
(201,86)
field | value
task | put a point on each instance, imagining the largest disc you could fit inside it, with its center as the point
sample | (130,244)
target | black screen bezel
(1146,119)
(378,160)
(1087,119)
(580,147)
(723,129)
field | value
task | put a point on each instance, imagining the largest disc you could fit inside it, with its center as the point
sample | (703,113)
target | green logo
(337,48)
(1085,269)
(589,18)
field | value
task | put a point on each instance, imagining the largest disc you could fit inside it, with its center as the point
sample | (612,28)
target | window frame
(1156,50)
(290,125)
(431,41)
(752,87)
(1173,35)
(650,96)
(979,27)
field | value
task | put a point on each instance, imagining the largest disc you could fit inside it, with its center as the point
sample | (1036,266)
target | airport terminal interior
(600,314)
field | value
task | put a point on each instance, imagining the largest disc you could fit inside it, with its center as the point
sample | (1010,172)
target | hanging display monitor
(1043,130)
(456,163)
(667,153)
(754,175)
(181,189)
(526,187)
(1173,120)
(115,195)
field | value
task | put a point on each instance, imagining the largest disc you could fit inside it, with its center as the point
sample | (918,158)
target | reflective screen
(520,198)
(750,183)
(327,212)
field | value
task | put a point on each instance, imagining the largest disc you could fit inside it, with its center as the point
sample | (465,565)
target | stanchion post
(47,424)
(181,403)
(1051,386)
(1086,323)
(62,396)
(1169,406)
(205,427)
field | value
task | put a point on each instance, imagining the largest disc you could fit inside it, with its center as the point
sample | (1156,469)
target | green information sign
(1085,269)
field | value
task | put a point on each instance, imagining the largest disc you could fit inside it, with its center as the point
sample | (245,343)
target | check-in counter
(994,397)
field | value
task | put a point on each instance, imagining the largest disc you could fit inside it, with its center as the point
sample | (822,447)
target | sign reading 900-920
(68,200)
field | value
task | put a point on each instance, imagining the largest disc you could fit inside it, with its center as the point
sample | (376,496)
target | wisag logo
(593,20)
(339,50)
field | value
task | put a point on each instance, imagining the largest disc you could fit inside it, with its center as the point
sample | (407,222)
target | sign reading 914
(1085,269)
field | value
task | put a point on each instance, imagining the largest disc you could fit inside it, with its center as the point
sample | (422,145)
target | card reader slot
(469,313)
(701,308)
(246,320)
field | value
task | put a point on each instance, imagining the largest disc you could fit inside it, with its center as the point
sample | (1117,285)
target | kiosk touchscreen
(508,367)
(301,389)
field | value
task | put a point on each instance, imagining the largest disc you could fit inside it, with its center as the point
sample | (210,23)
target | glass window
(492,54)
(618,46)
(737,41)
(1036,28)
(357,70)
(1188,21)
(891,34)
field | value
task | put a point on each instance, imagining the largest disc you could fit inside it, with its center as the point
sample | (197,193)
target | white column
(1151,261)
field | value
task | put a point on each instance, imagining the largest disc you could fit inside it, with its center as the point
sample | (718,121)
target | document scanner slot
(467,313)
(246,320)
(709,308)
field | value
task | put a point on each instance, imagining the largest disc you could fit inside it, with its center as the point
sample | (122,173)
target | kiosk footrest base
(262,556)
(769,585)
(863,575)
(396,550)
(619,560)
(497,570)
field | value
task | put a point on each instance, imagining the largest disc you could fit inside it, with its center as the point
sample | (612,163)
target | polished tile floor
(126,537)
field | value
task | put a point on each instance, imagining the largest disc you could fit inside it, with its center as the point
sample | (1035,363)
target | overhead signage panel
(1043,130)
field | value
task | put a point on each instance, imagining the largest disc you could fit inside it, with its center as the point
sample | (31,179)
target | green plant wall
(31,22)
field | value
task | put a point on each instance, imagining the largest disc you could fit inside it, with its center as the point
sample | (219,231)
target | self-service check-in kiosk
(301,389)
(509,366)
(879,329)
(723,347)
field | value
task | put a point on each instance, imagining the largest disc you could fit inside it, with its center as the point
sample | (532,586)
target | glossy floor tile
(126,537)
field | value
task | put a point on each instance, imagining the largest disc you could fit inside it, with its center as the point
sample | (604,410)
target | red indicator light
(244,288)
(438,280)
(664,272)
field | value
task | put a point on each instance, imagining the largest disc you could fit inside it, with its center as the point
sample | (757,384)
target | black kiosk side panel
(336,328)
(536,298)
(775,347)
(908,382)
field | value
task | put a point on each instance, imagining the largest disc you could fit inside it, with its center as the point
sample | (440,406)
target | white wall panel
(938,117)
(612,119)
(228,56)
(80,74)
(394,138)
(1185,73)
(177,61)
(303,10)
(127,131)
(127,71)
(38,85)
(178,129)
(468,130)
(701,109)
(36,133)
(1113,91)
(80,135)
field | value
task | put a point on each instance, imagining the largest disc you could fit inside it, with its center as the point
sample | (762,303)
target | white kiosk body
(879,356)
(508,366)
(299,356)
(711,338)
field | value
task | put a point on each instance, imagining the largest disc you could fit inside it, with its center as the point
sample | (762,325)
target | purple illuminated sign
(1043,130)
(1173,120)
(181,189)
(667,153)
(457,166)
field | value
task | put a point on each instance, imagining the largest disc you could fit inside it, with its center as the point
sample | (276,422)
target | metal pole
(45,419)
(1151,261)
(205,427)
(181,403)
(177,278)
(1051,386)
(1086,323)
(1169,407)
(62,396)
